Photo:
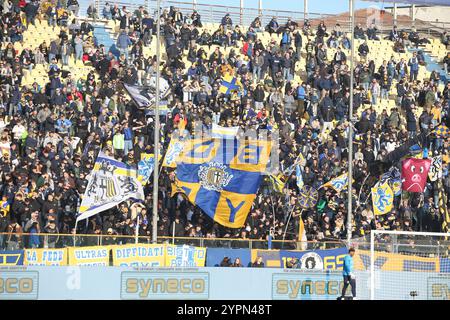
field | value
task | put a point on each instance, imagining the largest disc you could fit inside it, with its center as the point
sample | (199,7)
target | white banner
(110,183)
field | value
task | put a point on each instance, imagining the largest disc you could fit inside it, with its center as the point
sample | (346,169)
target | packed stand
(53,130)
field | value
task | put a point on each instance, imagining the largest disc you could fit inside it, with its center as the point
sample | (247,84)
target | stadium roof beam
(395,14)
(241,6)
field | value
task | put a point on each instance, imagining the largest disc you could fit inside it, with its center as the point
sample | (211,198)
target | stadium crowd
(51,133)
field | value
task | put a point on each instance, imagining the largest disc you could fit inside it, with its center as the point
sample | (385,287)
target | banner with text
(139,255)
(89,256)
(46,257)
(185,256)
(330,259)
(11,258)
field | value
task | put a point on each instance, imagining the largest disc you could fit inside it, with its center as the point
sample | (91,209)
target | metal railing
(244,16)
(213,13)
(425,27)
(15,241)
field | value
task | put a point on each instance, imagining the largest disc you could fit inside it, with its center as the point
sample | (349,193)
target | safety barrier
(214,13)
(13,241)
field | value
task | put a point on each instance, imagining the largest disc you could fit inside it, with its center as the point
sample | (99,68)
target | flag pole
(360,190)
(273,224)
(287,224)
(350,127)
(156,142)
(137,229)
(75,233)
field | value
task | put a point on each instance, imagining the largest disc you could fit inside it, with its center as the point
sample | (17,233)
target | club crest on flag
(382,199)
(214,176)
(104,177)
(110,183)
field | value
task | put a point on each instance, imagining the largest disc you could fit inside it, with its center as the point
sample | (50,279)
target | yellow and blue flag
(277,182)
(338,183)
(307,197)
(230,84)
(173,152)
(442,131)
(382,198)
(222,176)
(146,166)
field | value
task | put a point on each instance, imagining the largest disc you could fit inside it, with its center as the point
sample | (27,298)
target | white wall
(440,14)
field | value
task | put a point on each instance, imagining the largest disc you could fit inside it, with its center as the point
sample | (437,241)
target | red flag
(414,174)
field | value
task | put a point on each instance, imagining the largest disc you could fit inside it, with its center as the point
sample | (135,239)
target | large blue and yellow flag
(382,198)
(338,183)
(222,176)
(229,84)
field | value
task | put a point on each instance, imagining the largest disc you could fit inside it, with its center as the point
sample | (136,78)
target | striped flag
(219,132)
(277,183)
